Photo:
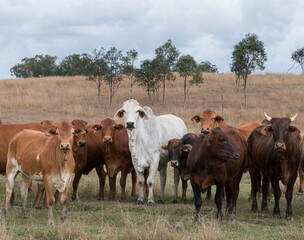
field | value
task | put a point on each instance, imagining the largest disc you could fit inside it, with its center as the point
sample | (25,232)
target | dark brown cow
(179,150)
(43,157)
(94,159)
(217,159)
(0,122)
(8,131)
(274,151)
(117,156)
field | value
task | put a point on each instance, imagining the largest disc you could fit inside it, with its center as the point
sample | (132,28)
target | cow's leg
(102,180)
(112,183)
(50,199)
(150,181)
(134,179)
(209,195)
(228,190)
(30,187)
(10,181)
(176,181)
(25,183)
(185,186)
(251,174)
(218,201)
(141,182)
(269,192)
(78,174)
(123,180)
(301,184)
(63,197)
(265,188)
(163,179)
(235,194)
(146,174)
(197,201)
(255,181)
(277,195)
(288,195)
(40,191)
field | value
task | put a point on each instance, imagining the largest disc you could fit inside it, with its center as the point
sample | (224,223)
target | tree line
(110,65)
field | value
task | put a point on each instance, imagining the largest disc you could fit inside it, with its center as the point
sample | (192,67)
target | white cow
(146,133)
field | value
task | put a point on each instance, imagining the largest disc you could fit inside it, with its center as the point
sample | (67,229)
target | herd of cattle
(218,155)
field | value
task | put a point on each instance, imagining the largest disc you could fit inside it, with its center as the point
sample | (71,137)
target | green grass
(92,219)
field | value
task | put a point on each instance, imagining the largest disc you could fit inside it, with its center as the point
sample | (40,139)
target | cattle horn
(294,117)
(267,117)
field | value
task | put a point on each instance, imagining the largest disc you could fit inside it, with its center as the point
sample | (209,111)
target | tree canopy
(298,57)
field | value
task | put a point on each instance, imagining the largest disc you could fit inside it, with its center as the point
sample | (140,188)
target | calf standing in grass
(44,157)
(217,159)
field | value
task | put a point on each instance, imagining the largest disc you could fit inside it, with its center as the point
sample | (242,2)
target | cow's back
(171,127)
(7,132)
(246,128)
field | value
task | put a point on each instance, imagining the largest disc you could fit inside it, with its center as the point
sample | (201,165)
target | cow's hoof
(174,201)
(299,193)
(289,218)
(160,201)
(26,215)
(231,216)
(150,204)
(276,215)
(139,202)
(254,210)
(265,210)
(74,199)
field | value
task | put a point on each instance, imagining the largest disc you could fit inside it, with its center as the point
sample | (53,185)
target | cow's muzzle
(65,147)
(107,140)
(82,144)
(235,156)
(130,125)
(174,163)
(205,131)
(279,146)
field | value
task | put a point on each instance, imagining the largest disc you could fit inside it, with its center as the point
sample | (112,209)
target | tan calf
(44,157)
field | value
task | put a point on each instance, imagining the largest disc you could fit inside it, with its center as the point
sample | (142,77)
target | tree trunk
(98,88)
(164,87)
(185,91)
(245,93)
(111,93)
(131,86)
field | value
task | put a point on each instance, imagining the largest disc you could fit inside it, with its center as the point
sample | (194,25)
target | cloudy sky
(205,29)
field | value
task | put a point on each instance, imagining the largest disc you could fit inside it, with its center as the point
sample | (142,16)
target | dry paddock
(68,98)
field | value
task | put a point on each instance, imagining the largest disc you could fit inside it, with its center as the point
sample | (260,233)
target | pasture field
(68,98)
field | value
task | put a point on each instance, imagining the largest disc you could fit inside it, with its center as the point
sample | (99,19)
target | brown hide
(8,131)
(117,156)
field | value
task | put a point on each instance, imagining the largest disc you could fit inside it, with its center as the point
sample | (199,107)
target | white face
(131,111)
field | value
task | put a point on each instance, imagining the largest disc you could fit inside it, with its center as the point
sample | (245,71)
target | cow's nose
(236,156)
(174,163)
(107,139)
(82,144)
(65,146)
(205,130)
(279,146)
(130,125)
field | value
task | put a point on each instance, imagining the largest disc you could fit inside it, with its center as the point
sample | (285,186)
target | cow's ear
(142,114)
(119,127)
(119,114)
(196,119)
(266,130)
(163,148)
(219,119)
(294,129)
(52,131)
(187,147)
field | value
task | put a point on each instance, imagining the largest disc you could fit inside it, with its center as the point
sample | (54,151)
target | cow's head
(280,129)
(64,133)
(208,119)
(220,147)
(108,126)
(79,133)
(131,111)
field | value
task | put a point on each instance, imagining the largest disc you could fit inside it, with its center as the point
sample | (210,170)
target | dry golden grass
(67,98)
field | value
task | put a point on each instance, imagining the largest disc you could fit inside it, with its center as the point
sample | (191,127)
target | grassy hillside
(58,98)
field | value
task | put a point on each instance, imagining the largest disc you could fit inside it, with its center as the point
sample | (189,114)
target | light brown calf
(44,157)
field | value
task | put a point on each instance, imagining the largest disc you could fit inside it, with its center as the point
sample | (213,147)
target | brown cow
(117,156)
(0,122)
(274,151)
(217,159)
(94,159)
(43,157)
